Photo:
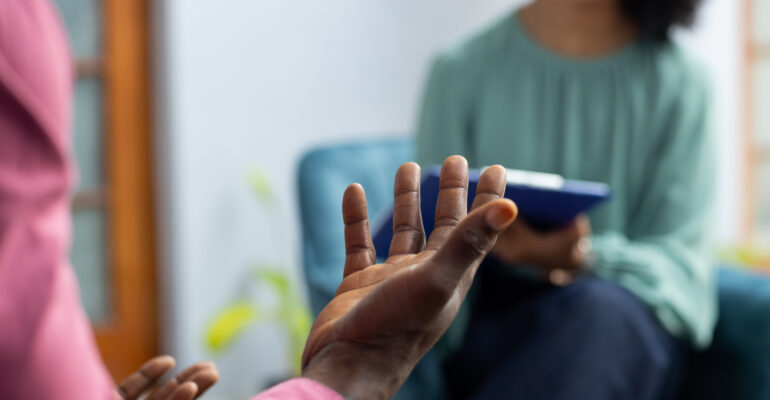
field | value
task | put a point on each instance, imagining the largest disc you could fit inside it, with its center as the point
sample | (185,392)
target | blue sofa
(736,366)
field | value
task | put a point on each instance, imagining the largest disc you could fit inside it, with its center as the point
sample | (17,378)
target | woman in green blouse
(592,90)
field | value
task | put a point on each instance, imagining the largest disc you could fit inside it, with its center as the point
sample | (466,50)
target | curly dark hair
(656,18)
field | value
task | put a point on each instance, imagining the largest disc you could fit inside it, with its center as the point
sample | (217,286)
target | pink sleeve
(299,389)
(47,349)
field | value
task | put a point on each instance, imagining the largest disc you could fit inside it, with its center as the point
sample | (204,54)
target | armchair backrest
(323,175)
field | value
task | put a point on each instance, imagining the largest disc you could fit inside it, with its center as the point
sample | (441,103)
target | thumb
(474,236)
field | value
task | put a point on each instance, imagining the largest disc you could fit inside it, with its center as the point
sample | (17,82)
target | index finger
(491,186)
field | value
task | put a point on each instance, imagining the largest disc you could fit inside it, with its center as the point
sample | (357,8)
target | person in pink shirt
(47,349)
(364,344)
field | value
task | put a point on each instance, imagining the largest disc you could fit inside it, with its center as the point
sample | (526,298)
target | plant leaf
(229,323)
(260,184)
(276,279)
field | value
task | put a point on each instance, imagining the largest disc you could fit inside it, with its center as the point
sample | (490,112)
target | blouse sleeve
(664,257)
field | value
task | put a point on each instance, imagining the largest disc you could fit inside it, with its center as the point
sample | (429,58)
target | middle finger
(452,203)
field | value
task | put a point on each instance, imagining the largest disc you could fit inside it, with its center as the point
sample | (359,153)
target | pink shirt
(47,349)
(299,389)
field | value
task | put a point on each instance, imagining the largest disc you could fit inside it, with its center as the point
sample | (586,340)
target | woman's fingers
(491,186)
(561,248)
(452,203)
(408,232)
(359,250)
(584,225)
(141,380)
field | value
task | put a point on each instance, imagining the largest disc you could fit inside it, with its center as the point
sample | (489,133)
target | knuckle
(446,221)
(452,183)
(406,191)
(406,228)
(475,242)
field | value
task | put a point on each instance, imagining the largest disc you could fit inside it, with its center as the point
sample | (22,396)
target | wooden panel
(130,337)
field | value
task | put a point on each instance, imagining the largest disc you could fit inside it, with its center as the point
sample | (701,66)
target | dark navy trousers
(589,340)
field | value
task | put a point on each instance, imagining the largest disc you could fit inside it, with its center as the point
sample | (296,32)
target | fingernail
(501,216)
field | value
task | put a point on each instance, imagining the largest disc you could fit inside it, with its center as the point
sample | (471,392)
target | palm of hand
(397,310)
(368,308)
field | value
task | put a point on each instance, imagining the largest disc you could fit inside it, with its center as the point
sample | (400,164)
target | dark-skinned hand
(385,317)
(189,384)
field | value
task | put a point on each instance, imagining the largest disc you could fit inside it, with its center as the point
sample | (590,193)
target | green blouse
(636,119)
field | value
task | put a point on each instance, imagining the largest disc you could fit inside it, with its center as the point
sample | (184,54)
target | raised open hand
(385,317)
(188,385)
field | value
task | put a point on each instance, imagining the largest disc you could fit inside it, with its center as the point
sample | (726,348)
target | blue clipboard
(545,201)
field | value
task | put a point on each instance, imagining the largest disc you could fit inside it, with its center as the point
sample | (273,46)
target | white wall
(245,83)
(717,41)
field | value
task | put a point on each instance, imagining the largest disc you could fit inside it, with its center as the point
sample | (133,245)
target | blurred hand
(385,317)
(188,385)
(561,253)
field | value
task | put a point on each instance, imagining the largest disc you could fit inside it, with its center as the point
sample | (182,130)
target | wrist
(353,373)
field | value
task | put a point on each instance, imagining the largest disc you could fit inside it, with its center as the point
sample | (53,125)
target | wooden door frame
(130,336)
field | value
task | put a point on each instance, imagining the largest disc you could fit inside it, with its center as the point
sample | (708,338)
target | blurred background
(190,120)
